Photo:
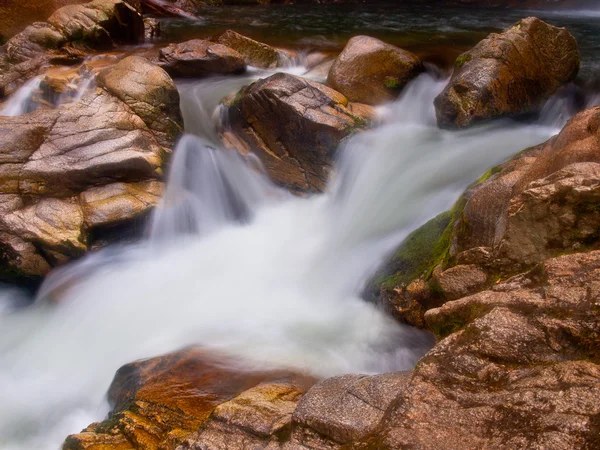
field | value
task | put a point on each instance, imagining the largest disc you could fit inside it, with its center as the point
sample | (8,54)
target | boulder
(197,58)
(347,408)
(518,367)
(17,15)
(539,204)
(255,53)
(508,74)
(294,126)
(68,172)
(99,24)
(161,402)
(371,71)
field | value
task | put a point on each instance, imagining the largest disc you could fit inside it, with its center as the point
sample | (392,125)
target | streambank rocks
(200,58)
(158,403)
(256,53)
(371,71)
(518,367)
(540,204)
(98,24)
(67,174)
(508,74)
(294,126)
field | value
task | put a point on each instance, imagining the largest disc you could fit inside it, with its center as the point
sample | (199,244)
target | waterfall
(236,265)
(21,101)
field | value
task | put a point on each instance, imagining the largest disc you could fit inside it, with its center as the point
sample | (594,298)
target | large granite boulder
(294,126)
(67,173)
(371,71)
(99,24)
(518,367)
(255,53)
(198,58)
(508,74)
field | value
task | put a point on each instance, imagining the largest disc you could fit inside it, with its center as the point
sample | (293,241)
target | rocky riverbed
(287,278)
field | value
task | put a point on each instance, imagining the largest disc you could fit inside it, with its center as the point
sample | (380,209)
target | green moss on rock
(463,59)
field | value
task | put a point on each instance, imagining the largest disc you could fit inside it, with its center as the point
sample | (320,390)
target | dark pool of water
(436,34)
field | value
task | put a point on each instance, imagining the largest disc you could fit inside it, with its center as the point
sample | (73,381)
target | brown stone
(98,24)
(96,163)
(255,53)
(518,367)
(508,74)
(160,402)
(371,71)
(200,58)
(294,126)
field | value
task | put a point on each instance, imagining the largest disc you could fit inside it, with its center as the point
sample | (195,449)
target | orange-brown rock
(69,172)
(255,53)
(198,57)
(160,402)
(97,24)
(371,71)
(294,126)
(508,74)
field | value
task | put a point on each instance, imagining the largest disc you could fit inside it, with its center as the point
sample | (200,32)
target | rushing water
(235,264)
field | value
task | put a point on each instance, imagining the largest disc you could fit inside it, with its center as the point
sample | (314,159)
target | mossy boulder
(508,74)
(371,71)
(539,204)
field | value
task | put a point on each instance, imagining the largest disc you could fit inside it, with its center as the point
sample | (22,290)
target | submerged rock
(200,58)
(294,126)
(371,71)
(255,53)
(508,74)
(68,172)
(98,24)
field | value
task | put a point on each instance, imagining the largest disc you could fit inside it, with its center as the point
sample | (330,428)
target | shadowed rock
(200,58)
(99,24)
(294,126)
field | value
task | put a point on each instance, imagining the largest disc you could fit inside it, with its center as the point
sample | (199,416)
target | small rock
(371,71)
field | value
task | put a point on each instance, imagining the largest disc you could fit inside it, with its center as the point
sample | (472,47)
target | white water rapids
(237,265)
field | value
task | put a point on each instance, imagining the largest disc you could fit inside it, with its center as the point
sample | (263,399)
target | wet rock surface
(255,53)
(198,58)
(294,126)
(158,403)
(99,24)
(371,71)
(508,74)
(96,163)
(539,204)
